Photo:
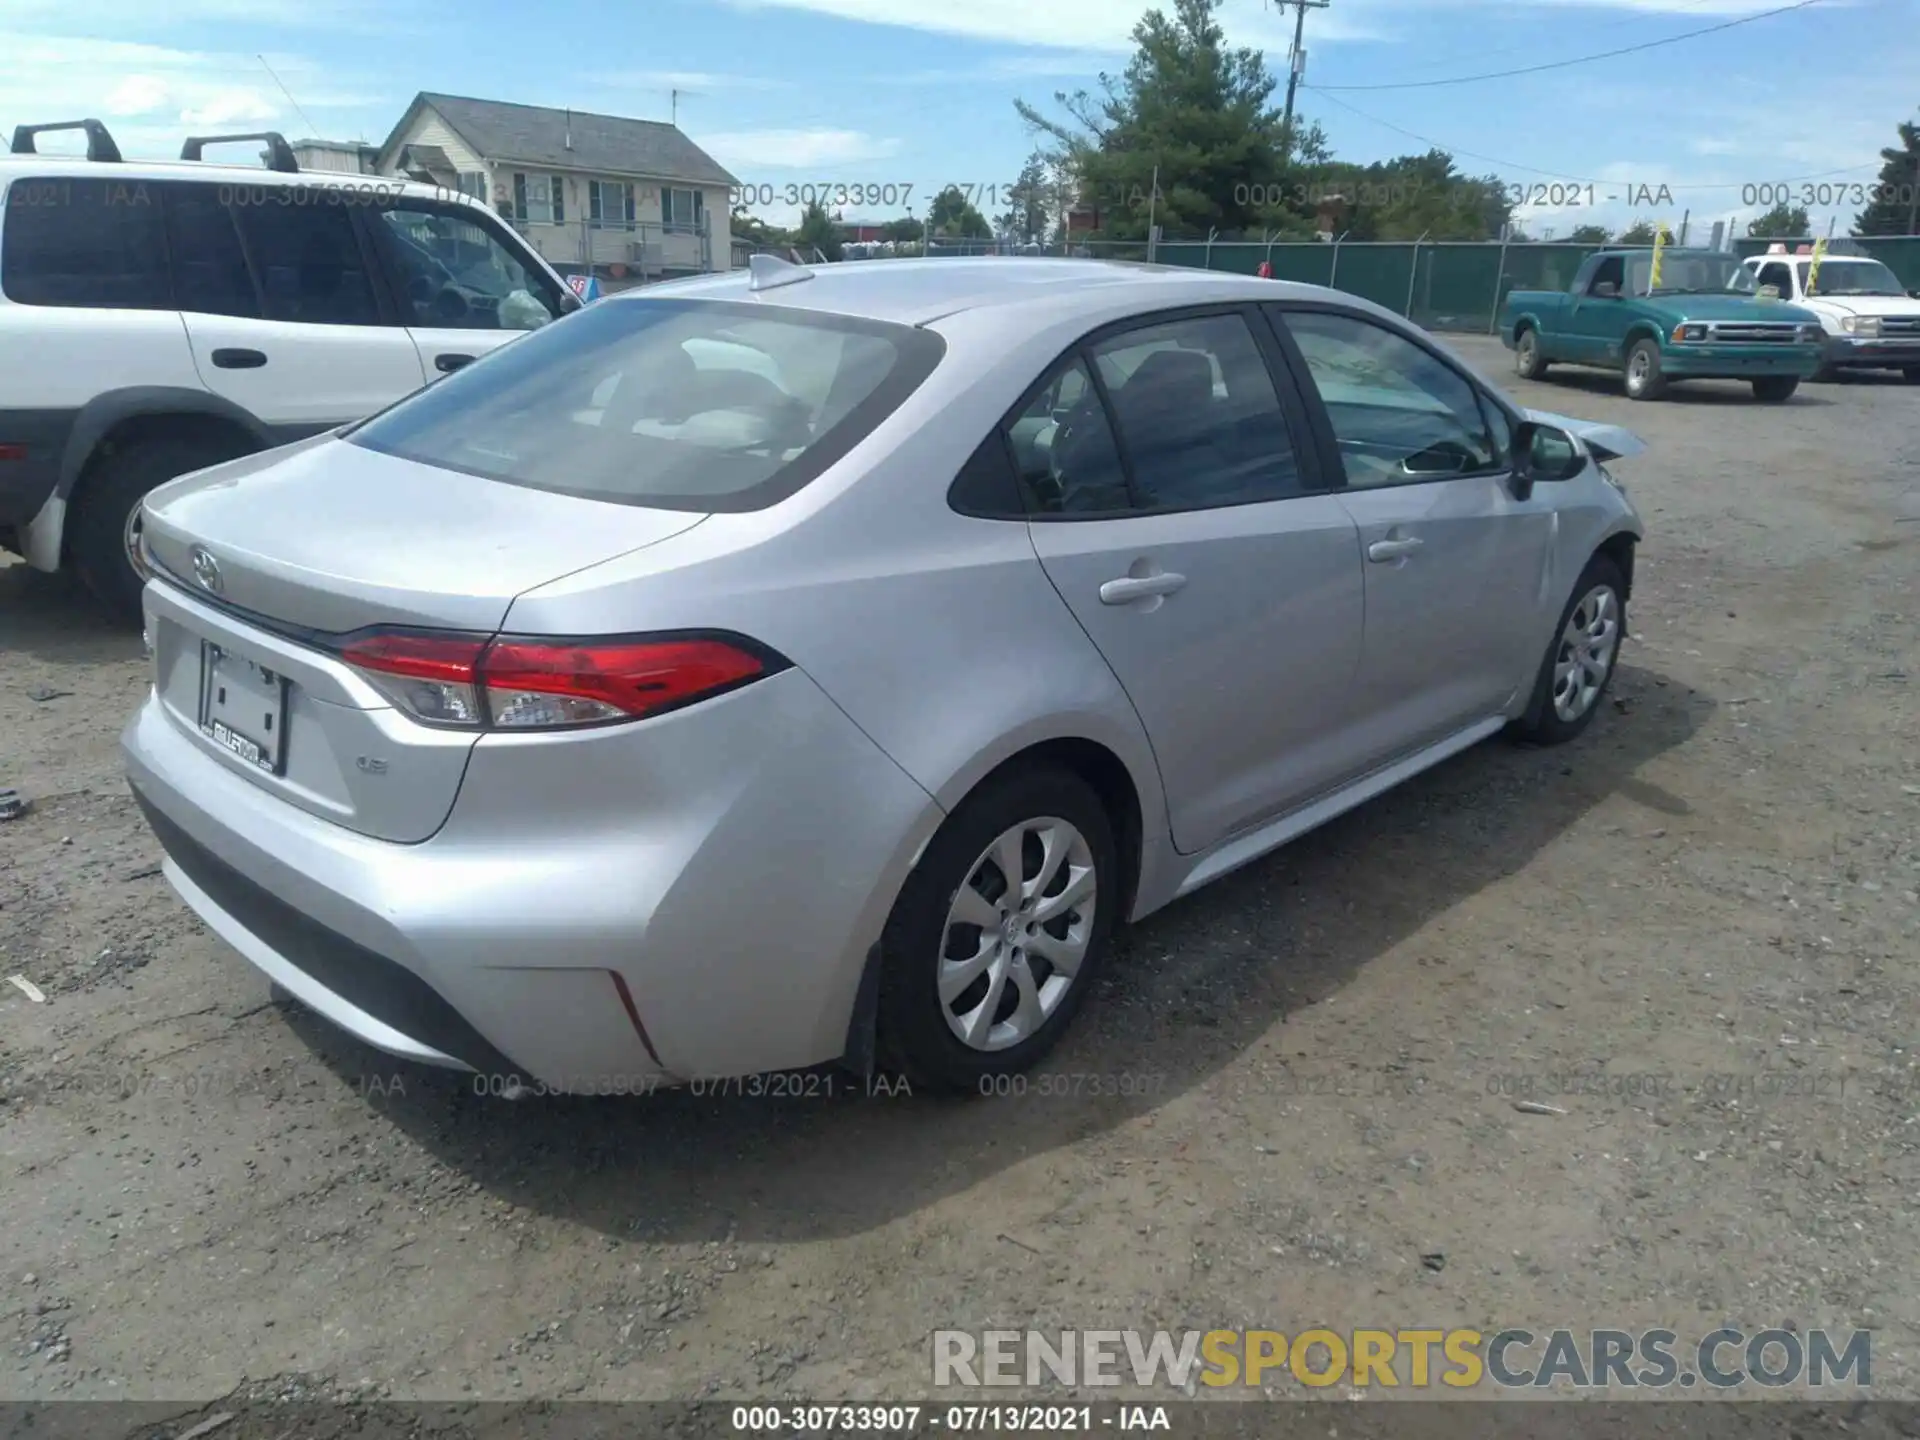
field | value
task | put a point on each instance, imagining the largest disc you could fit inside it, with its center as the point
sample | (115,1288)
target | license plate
(243,708)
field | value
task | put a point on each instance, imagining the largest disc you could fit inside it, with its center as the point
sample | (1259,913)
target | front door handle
(1381,551)
(1140,587)
(238,359)
(447,364)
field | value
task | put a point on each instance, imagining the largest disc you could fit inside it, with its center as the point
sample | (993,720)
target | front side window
(1400,415)
(1198,414)
(99,244)
(1779,277)
(683,405)
(308,264)
(454,273)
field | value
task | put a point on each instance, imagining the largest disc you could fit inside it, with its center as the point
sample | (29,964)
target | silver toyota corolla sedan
(795,665)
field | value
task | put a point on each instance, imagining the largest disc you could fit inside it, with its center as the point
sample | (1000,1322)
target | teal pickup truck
(1703,321)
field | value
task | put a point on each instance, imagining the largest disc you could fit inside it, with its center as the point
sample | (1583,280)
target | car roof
(76,167)
(916,291)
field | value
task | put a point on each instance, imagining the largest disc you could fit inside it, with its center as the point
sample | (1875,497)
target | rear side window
(677,404)
(308,262)
(100,244)
(210,275)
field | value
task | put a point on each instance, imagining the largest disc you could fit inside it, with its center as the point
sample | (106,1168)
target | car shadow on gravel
(53,619)
(1189,991)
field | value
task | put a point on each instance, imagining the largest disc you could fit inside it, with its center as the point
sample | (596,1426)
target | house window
(539,199)
(610,202)
(474,183)
(681,209)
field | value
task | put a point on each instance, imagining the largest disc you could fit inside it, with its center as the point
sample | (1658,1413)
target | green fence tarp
(1451,285)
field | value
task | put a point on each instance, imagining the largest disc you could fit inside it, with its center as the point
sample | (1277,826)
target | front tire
(1775,389)
(104,527)
(982,969)
(1912,374)
(1528,362)
(1580,661)
(1645,380)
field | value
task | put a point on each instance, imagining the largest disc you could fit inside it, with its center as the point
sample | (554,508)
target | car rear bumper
(688,897)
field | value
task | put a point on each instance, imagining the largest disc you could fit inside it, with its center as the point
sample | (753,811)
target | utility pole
(1297,59)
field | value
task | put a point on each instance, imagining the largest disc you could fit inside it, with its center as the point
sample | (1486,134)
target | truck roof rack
(279,153)
(100,144)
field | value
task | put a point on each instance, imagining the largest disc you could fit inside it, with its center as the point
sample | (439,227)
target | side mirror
(569,302)
(1913,294)
(1544,455)
(1607,290)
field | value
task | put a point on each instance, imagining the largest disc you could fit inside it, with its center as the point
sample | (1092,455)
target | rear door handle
(447,364)
(1383,550)
(1140,587)
(239,359)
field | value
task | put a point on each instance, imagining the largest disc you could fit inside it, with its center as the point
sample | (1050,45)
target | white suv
(157,318)
(1871,322)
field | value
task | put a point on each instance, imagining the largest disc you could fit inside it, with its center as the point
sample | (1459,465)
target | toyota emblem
(206,570)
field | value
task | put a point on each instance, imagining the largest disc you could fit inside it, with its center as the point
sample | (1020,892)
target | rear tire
(111,490)
(1580,659)
(1528,362)
(1775,389)
(1912,373)
(1645,381)
(965,955)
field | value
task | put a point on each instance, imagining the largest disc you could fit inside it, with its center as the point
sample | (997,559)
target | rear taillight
(528,683)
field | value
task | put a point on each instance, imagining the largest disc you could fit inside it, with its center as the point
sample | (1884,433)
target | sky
(919,93)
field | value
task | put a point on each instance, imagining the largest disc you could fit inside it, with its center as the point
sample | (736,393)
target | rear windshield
(677,404)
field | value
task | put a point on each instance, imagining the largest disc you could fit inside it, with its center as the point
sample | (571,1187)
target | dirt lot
(201,1189)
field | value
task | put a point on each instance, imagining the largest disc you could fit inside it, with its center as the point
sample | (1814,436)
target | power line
(312,129)
(1637,19)
(1579,59)
(1428,140)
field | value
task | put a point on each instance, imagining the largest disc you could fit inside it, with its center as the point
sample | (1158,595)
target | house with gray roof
(627,200)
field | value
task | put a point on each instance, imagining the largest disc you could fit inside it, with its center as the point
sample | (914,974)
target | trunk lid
(327,535)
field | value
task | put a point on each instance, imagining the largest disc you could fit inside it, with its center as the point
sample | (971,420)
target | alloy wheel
(1588,646)
(1016,933)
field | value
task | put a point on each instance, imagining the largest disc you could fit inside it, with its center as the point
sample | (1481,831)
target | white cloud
(231,107)
(1101,26)
(685,80)
(137,95)
(155,95)
(747,150)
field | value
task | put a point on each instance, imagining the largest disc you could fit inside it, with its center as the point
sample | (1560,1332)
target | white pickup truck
(1872,323)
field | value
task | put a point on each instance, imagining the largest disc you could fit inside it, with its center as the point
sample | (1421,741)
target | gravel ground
(205,1192)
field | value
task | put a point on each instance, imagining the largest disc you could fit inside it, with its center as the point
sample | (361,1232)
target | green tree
(1896,202)
(1413,197)
(1638,233)
(1788,222)
(1029,212)
(752,228)
(1590,235)
(818,230)
(904,229)
(1191,110)
(953,214)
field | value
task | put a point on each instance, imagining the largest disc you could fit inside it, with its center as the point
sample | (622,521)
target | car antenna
(770,272)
